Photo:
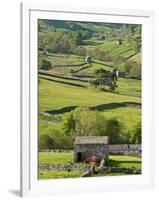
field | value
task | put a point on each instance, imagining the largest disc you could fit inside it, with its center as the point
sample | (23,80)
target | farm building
(122,73)
(87,146)
(119,41)
(88,60)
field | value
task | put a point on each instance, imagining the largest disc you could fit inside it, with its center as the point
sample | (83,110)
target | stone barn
(87,146)
(88,60)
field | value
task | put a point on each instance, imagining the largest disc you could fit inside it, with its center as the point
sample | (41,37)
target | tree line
(85,122)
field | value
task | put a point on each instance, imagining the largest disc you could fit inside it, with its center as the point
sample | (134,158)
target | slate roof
(92,140)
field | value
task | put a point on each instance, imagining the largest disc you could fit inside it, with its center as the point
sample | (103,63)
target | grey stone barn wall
(88,150)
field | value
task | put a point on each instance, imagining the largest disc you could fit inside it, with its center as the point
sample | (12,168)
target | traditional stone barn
(88,146)
(88,60)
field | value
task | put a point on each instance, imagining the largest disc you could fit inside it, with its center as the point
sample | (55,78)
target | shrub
(136,136)
(45,64)
(46,142)
(68,124)
(64,41)
(54,139)
(113,130)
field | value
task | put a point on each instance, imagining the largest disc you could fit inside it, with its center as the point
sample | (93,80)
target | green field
(111,47)
(54,95)
(114,160)
(71,103)
(63,158)
(55,158)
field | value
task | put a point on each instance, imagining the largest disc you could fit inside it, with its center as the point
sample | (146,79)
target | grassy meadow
(64,158)
(69,105)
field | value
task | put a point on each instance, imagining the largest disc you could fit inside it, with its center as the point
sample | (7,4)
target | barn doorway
(79,157)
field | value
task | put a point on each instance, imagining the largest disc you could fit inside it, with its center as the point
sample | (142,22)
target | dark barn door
(79,156)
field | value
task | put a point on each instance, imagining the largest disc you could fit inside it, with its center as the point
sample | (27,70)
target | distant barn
(88,60)
(88,146)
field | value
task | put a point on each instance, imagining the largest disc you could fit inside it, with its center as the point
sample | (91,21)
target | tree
(45,64)
(113,130)
(86,35)
(88,122)
(137,43)
(100,74)
(84,122)
(68,124)
(113,85)
(46,142)
(105,78)
(136,136)
(137,38)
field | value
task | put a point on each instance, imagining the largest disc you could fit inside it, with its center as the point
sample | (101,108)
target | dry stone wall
(64,167)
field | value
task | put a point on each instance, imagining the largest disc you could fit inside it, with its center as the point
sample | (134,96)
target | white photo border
(30,185)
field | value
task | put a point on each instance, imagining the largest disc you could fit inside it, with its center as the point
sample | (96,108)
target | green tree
(83,122)
(45,64)
(113,130)
(68,124)
(136,136)
(101,74)
(86,35)
(46,142)
(137,43)
(88,122)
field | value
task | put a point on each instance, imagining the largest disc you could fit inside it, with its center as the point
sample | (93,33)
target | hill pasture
(70,105)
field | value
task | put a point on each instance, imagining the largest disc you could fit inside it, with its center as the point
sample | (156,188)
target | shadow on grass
(101,107)
(116,163)
(63,82)
(62,110)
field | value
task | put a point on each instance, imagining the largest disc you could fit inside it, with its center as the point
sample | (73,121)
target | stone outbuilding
(88,146)
(88,60)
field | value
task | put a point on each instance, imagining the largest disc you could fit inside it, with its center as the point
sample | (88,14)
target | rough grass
(44,174)
(136,58)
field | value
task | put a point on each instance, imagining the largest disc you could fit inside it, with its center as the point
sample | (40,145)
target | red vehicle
(92,159)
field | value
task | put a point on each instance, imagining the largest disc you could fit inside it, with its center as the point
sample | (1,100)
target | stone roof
(92,140)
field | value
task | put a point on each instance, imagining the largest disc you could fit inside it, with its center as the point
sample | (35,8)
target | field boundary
(98,107)
(87,168)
